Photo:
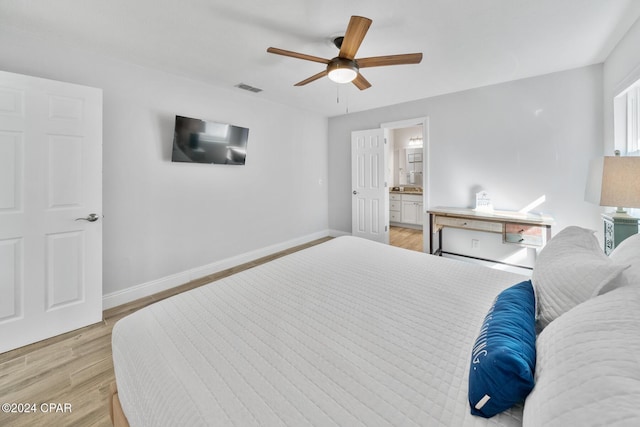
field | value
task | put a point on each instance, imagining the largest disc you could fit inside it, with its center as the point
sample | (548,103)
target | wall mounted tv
(200,141)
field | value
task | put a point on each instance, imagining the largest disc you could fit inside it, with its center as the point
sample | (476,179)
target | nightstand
(617,228)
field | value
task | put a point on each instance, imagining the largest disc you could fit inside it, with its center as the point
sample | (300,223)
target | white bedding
(347,333)
(587,365)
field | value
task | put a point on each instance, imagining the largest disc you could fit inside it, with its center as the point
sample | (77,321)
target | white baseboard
(142,290)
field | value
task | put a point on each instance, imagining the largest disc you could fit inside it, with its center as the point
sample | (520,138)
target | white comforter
(347,333)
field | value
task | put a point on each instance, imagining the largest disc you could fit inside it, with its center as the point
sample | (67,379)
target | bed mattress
(346,333)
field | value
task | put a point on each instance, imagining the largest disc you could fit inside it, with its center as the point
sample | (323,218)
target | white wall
(165,222)
(402,135)
(519,141)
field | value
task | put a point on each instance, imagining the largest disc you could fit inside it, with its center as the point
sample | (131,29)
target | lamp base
(621,214)
(617,228)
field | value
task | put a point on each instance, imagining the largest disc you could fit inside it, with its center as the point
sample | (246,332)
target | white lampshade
(615,181)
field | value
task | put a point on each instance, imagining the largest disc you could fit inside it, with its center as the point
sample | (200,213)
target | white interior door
(50,175)
(370,200)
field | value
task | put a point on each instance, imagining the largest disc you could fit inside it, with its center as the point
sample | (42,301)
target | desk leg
(431,251)
(439,250)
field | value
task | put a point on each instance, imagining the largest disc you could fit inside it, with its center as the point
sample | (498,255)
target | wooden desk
(528,230)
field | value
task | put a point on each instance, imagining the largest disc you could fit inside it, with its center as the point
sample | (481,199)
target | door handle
(355,192)
(91,218)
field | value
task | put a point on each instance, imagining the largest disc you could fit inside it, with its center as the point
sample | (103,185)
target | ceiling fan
(345,68)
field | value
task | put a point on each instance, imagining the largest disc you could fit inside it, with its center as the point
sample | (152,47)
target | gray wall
(519,141)
(165,222)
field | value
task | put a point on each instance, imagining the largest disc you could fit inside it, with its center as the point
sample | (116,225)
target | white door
(50,175)
(370,201)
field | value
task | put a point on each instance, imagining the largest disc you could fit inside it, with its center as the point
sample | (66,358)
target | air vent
(249,88)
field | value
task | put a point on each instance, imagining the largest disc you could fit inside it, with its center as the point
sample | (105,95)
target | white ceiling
(466,43)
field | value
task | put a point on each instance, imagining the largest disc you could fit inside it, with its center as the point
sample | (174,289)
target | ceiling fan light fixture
(342,70)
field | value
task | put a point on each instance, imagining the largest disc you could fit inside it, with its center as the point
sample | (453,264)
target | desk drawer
(471,224)
(528,235)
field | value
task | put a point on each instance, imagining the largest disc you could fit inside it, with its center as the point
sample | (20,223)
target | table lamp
(615,181)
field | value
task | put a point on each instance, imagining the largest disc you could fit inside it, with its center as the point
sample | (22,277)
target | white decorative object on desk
(483,202)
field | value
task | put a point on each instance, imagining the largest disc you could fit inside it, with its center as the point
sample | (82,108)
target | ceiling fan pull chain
(346,101)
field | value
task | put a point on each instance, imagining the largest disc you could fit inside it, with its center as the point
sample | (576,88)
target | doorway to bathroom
(407,179)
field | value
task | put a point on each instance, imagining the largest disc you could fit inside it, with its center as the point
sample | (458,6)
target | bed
(346,333)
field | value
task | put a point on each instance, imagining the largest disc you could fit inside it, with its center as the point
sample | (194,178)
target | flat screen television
(200,141)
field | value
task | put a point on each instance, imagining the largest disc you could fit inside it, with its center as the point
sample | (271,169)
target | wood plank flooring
(76,368)
(407,238)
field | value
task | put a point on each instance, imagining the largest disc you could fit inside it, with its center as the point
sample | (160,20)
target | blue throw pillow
(504,355)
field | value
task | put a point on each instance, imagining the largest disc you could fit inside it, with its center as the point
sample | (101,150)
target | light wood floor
(76,368)
(407,238)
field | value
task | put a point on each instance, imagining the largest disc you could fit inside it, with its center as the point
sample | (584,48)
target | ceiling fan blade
(297,55)
(379,61)
(312,78)
(361,83)
(357,29)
